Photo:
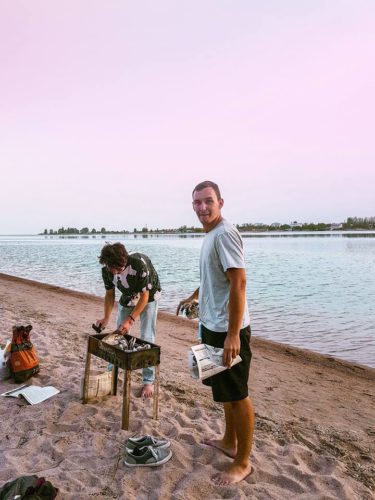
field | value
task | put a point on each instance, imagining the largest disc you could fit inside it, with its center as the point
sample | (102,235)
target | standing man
(136,278)
(225,323)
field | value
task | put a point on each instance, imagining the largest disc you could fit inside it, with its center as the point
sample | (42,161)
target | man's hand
(125,326)
(182,304)
(232,346)
(102,323)
(193,296)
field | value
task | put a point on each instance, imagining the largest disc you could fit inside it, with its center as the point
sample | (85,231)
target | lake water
(315,291)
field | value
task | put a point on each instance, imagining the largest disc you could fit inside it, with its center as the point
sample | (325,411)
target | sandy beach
(315,415)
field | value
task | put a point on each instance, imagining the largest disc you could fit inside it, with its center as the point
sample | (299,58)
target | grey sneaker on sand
(148,456)
(141,441)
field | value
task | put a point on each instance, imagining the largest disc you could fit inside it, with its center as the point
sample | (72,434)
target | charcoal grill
(128,361)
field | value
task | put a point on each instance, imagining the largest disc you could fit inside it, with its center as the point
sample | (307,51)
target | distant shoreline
(341,232)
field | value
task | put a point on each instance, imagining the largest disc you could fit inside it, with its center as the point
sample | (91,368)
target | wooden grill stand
(128,361)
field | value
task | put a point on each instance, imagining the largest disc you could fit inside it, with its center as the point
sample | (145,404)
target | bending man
(136,278)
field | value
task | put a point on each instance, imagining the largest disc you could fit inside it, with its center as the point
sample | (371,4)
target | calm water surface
(312,291)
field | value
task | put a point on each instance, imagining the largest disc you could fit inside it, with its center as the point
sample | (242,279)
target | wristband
(131,317)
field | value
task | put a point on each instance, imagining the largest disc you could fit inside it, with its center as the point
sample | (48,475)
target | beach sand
(315,415)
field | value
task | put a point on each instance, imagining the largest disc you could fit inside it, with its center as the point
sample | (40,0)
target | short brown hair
(113,255)
(207,184)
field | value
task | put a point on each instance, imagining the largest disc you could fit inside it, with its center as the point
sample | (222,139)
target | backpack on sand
(23,360)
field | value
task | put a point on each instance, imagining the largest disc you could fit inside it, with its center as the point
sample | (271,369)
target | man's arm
(236,308)
(109,301)
(136,312)
(193,296)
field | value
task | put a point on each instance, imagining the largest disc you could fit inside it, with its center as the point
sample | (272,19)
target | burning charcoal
(132,343)
(112,338)
(144,347)
(123,342)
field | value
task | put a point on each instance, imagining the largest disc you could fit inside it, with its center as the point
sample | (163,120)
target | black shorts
(229,385)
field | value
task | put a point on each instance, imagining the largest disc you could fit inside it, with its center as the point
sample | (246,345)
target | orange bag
(23,361)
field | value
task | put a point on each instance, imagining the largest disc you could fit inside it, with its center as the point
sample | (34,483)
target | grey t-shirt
(221,250)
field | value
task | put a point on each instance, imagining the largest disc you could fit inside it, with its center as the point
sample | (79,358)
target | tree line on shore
(351,223)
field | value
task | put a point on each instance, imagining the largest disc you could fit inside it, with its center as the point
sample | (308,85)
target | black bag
(29,488)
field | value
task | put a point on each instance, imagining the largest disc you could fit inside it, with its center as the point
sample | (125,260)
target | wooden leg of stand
(126,400)
(156,392)
(86,379)
(114,380)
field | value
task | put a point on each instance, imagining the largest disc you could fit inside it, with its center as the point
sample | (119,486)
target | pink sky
(112,111)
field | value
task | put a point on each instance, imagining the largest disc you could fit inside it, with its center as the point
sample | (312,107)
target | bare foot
(147,391)
(234,474)
(218,444)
